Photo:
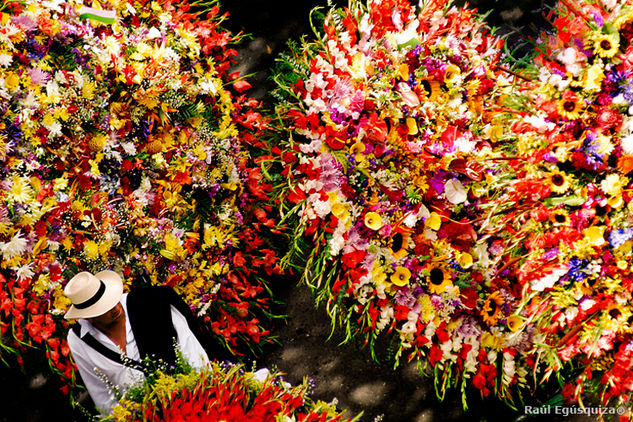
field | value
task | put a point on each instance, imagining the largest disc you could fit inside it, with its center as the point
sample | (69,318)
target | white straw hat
(93,295)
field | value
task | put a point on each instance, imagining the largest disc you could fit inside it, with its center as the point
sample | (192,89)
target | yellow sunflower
(606,45)
(491,310)
(398,244)
(558,181)
(559,217)
(438,279)
(570,106)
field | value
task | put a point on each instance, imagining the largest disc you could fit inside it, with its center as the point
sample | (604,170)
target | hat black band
(94,299)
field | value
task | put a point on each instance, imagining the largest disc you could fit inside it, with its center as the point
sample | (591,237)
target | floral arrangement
(394,115)
(222,393)
(124,144)
(560,224)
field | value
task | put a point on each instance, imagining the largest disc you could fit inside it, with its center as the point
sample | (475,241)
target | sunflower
(559,217)
(432,88)
(401,276)
(617,317)
(570,106)
(438,279)
(491,310)
(398,244)
(623,20)
(606,45)
(558,181)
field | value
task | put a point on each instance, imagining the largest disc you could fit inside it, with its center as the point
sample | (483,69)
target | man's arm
(192,350)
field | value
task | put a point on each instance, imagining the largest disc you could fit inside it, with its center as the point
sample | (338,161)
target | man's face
(109,319)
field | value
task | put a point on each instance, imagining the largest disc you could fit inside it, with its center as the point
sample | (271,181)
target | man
(116,331)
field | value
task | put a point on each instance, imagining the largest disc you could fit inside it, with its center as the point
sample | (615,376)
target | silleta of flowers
(123,145)
(562,214)
(223,393)
(393,112)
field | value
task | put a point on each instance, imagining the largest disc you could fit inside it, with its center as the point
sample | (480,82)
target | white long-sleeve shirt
(92,363)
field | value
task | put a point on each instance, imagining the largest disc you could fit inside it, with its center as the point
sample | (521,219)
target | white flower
(548,281)
(626,143)
(16,246)
(24,272)
(5,59)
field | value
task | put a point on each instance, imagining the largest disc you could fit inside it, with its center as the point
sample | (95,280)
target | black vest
(149,312)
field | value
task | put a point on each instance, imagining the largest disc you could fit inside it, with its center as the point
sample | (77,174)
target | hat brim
(111,296)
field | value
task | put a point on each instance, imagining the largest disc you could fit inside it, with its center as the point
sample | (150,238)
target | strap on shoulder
(109,353)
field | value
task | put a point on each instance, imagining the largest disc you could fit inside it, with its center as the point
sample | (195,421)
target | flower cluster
(394,113)
(124,145)
(222,393)
(561,219)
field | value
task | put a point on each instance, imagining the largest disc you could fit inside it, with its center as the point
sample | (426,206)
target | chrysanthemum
(606,45)
(491,310)
(16,246)
(438,279)
(558,181)
(570,106)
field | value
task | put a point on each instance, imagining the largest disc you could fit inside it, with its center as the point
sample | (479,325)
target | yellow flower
(91,250)
(558,181)
(432,88)
(559,217)
(514,322)
(438,279)
(606,45)
(451,74)
(401,276)
(433,222)
(570,106)
(11,81)
(398,245)
(412,125)
(21,190)
(594,235)
(357,150)
(373,220)
(465,260)
(491,310)
(592,79)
